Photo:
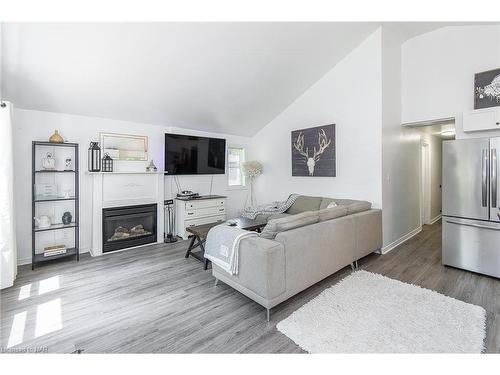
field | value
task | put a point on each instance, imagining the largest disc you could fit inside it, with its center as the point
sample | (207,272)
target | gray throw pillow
(283,224)
(303,204)
(354,206)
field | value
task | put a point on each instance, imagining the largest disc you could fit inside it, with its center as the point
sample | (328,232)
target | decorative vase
(151,167)
(66,218)
(251,170)
(56,137)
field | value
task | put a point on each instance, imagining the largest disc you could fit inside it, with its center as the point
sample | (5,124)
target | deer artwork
(323,143)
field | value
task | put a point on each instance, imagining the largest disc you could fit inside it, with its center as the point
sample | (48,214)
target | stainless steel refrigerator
(471,205)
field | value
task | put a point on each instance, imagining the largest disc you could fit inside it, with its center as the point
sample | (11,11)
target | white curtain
(8,255)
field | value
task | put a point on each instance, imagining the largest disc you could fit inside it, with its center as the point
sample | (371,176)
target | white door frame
(425,183)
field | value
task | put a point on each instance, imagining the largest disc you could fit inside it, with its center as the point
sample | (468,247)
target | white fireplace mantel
(116,189)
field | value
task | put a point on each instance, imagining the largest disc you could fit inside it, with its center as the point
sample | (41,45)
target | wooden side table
(199,235)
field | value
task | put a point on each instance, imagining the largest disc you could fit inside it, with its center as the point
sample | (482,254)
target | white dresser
(203,210)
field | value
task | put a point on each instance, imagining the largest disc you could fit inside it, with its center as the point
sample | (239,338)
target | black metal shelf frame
(37,258)
(57,227)
(54,171)
(55,199)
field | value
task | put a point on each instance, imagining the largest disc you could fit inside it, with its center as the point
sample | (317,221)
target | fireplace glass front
(129,226)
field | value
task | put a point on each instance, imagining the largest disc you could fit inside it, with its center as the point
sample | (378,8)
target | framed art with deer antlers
(313,151)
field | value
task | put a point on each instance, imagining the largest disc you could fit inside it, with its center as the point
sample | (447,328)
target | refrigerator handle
(473,225)
(494,178)
(484,178)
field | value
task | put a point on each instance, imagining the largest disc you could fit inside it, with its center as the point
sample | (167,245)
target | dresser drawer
(209,211)
(196,205)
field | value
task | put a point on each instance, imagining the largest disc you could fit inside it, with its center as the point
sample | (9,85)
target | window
(235,156)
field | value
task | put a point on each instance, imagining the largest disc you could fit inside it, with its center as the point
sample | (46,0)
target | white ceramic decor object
(48,162)
(42,222)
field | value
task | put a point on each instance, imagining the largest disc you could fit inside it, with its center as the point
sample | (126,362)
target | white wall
(349,95)
(438,72)
(400,152)
(35,125)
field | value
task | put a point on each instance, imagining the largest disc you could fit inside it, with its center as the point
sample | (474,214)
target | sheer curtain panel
(8,255)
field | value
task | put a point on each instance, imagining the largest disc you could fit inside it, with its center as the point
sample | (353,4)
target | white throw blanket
(273,208)
(222,246)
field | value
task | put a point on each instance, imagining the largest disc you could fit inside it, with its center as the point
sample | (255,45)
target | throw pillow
(332,204)
(304,203)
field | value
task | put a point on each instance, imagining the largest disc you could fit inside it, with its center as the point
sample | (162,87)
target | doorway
(432,134)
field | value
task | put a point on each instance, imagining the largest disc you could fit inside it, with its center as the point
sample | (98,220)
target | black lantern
(94,157)
(107,163)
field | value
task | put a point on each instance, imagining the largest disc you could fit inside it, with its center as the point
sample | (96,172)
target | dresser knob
(497,123)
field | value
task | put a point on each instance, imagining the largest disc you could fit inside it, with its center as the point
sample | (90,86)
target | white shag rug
(370,313)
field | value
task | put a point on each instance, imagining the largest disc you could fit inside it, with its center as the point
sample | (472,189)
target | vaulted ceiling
(222,77)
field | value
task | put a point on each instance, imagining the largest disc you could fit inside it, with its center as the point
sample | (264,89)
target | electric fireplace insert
(128,226)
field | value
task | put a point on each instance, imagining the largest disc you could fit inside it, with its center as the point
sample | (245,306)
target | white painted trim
(435,219)
(400,240)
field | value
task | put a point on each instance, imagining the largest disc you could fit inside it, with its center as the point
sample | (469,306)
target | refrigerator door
(494,179)
(472,245)
(466,178)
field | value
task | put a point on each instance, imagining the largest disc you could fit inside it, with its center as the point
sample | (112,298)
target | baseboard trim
(400,240)
(435,219)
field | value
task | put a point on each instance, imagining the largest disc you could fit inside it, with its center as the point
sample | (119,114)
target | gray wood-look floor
(152,299)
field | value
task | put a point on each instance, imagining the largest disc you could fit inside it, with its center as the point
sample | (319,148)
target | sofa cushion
(289,222)
(278,216)
(354,206)
(304,203)
(332,213)
(267,217)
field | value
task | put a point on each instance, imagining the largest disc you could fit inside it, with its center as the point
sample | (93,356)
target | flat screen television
(186,154)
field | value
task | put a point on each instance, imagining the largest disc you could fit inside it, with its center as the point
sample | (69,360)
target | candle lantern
(107,163)
(94,157)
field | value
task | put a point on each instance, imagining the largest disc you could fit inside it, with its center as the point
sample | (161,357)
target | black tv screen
(186,154)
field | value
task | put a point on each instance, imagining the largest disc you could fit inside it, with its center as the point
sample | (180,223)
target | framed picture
(124,146)
(487,89)
(313,151)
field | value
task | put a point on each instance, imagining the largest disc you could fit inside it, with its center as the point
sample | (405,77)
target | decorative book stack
(54,250)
